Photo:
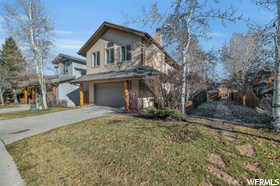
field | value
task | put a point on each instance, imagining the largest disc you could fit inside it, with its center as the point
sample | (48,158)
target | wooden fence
(200,97)
(247,98)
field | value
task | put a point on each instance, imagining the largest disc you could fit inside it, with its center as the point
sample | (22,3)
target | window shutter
(118,55)
(112,55)
(98,58)
(128,52)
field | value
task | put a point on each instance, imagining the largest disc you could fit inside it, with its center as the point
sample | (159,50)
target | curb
(9,175)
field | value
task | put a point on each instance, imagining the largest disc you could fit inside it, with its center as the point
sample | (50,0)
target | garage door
(109,94)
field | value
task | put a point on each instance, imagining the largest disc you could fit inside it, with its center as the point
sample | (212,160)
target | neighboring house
(119,62)
(68,68)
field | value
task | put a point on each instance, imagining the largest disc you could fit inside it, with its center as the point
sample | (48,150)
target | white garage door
(109,94)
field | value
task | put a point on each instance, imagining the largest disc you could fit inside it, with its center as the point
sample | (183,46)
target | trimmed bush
(164,113)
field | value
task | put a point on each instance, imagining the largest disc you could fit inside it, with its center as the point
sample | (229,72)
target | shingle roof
(35,82)
(63,79)
(137,72)
(62,57)
(106,25)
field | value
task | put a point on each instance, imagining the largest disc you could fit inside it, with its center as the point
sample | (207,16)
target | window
(96,59)
(66,67)
(125,53)
(110,53)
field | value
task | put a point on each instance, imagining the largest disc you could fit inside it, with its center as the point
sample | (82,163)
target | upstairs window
(110,53)
(66,67)
(96,59)
(125,53)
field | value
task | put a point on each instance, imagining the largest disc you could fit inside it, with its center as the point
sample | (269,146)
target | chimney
(158,36)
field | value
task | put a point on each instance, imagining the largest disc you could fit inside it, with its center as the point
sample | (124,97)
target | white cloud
(68,44)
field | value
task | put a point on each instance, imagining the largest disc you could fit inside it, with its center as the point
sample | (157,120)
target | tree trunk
(2,98)
(15,96)
(43,87)
(184,84)
(276,104)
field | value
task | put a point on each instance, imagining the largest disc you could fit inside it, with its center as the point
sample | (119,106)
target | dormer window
(125,53)
(110,53)
(96,59)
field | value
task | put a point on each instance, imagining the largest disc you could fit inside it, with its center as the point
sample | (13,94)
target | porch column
(126,96)
(91,92)
(33,95)
(25,93)
(82,94)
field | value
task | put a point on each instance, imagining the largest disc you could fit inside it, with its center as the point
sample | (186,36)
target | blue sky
(75,21)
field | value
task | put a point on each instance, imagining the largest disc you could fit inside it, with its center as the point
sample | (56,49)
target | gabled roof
(106,25)
(63,57)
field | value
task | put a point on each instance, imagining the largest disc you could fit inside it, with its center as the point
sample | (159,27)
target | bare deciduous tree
(4,83)
(28,22)
(186,19)
(275,6)
(246,54)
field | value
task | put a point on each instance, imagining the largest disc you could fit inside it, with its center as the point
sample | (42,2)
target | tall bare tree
(186,19)
(276,92)
(4,83)
(29,23)
(274,5)
(245,54)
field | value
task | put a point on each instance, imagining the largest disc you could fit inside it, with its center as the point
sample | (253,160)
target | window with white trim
(96,59)
(110,53)
(125,53)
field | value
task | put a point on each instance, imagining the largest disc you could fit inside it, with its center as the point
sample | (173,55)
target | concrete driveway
(15,109)
(16,129)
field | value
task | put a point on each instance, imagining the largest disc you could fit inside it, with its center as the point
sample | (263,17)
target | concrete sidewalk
(9,175)
(15,109)
(17,129)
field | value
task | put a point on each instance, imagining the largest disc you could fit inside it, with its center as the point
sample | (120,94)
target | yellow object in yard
(270,80)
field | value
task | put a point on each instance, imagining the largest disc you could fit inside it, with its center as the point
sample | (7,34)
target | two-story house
(68,68)
(119,60)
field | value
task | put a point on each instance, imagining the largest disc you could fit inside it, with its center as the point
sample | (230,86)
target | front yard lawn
(27,113)
(126,150)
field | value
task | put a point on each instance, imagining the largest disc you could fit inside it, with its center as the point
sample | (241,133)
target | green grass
(125,150)
(27,113)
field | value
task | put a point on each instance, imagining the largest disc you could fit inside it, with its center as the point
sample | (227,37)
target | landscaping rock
(246,150)
(223,176)
(229,136)
(227,110)
(254,167)
(206,183)
(217,160)
(226,153)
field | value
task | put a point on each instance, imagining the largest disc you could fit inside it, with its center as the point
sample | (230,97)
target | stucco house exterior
(119,60)
(68,68)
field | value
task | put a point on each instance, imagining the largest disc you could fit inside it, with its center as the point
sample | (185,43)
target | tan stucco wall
(153,56)
(119,39)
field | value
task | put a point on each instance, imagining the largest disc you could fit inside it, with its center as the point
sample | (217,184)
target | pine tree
(14,63)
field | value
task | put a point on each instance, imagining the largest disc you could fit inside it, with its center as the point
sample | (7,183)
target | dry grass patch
(124,150)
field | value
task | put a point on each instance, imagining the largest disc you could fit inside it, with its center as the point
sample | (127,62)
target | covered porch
(29,92)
